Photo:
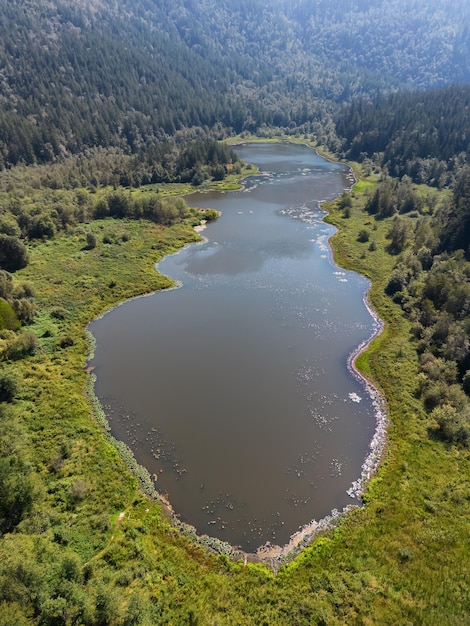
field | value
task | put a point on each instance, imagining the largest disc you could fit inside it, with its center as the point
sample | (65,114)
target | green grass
(401,559)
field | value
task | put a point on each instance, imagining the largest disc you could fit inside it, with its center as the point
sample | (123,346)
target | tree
(9,386)
(42,227)
(13,253)
(456,233)
(8,317)
(363,236)
(453,425)
(91,241)
(16,493)
(398,235)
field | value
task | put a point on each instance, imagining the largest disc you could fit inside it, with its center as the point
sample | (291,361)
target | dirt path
(99,554)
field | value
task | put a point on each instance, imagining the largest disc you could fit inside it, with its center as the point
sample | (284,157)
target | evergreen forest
(111,111)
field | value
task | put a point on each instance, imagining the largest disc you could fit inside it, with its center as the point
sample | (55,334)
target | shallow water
(235,389)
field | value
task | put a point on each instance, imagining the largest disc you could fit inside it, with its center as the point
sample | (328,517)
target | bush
(435,395)
(210,214)
(42,227)
(6,285)
(466,382)
(345,201)
(9,386)
(9,226)
(26,290)
(58,313)
(23,345)
(8,317)
(25,310)
(90,241)
(453,425)
(363,236)
(13,254)
(66,342)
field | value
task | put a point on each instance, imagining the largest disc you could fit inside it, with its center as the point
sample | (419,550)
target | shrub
(9,386)
(363,236)
(404,554)
(9,226)
(79,490)
(91,241)
(66,342)
(453,425)
(13,254)
(42,227)
(345,202)
(25,310)
(435,395)
(23,345)
(6,285)
(8,317)
(26,290)
(210,215)
(58,313)
(466,382)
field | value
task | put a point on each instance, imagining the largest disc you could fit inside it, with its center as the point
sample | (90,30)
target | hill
(124,73)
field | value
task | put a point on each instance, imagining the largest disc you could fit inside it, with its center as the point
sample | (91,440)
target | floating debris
(354,397)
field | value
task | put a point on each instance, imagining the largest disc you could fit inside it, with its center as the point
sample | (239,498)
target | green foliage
(9,385)
(42,227)
(422,135)
(17,491)
(454,426)
(91,241)
(398,235)
(6,285)
(25,344)
(363,236)
(8,317)
(25,310)
(456,231)
(13,254)
(210,215)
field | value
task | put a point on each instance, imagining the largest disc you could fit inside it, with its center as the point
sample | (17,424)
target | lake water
(235,389)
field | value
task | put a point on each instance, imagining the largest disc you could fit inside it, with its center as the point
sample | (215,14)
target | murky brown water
(234,389)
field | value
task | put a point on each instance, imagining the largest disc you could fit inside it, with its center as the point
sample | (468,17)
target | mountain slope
(127,73)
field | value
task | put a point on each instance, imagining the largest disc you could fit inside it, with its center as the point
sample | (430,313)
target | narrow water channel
(234,390)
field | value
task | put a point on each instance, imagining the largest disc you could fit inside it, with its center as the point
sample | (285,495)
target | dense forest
(423,135)
(126,74)
(109,112)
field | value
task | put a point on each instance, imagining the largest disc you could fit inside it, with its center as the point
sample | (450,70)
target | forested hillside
(423,135)
(129,73)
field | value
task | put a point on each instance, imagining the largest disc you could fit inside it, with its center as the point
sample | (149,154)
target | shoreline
(267,553)
(305,535)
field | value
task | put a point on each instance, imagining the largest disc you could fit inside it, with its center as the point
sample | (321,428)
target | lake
(235,390)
